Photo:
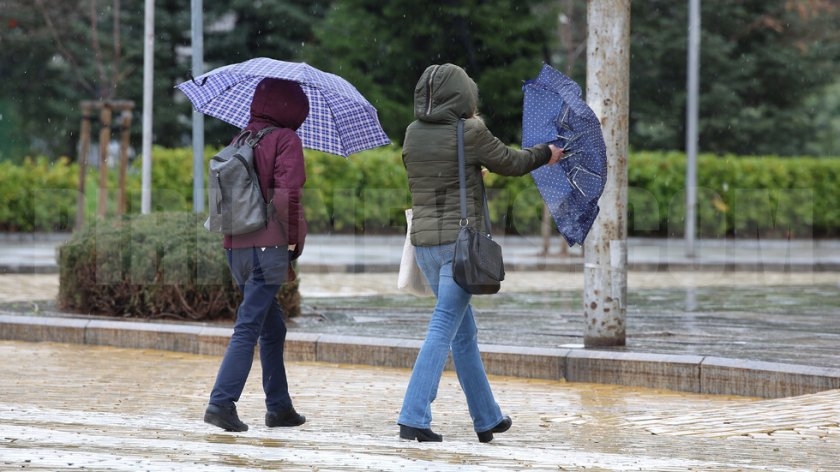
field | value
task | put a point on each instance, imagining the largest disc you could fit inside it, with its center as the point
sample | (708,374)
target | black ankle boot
(224,417)
(504,425)
(288,418)
(421,435)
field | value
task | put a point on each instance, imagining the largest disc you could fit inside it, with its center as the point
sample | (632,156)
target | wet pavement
(786,324)
(93,408)
(324,253)
(756,319)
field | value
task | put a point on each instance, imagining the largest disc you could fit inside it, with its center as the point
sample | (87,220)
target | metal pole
(605,249)
(691,126)
(148,95)
(198,118)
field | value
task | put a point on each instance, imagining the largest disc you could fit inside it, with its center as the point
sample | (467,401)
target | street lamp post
(691,126)
(198,118)
(148,100)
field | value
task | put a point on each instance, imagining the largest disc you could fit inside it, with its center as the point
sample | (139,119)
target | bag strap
(463,184)
(256,139)
(253,144)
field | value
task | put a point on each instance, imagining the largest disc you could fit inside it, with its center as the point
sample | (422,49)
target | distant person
(443,95)
(259,262)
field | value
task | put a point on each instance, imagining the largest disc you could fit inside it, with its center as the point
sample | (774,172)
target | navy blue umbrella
(554,112)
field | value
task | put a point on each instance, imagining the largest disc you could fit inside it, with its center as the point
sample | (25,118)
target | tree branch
(115,63)
(65,53)
(97,53)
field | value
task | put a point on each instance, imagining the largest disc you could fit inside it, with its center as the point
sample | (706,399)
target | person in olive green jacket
(443,95)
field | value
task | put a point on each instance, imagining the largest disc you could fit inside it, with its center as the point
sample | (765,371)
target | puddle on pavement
(739,322)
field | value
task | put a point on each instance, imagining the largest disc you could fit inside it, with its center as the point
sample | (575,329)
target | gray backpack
(237,205)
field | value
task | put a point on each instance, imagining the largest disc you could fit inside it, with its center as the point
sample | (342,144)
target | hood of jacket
(280,102)
(445,93)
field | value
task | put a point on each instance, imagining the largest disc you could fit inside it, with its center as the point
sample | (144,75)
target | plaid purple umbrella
(554,112)
(341,121)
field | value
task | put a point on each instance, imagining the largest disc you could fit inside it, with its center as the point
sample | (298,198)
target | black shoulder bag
(477,267)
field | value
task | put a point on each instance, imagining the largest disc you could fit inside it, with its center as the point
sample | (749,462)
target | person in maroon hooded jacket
(259,261)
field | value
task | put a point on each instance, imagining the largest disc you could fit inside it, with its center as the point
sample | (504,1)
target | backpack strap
(243,138)
(253,143)
(256,139)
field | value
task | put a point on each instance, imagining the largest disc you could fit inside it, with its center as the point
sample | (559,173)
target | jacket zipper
(429,89)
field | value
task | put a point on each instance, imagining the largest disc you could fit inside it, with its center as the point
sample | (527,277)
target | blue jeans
(452,327)
(259,272)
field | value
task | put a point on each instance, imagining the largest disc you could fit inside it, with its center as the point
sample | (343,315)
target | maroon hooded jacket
(278,159)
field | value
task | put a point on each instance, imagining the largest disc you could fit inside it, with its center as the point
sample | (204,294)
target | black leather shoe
(421,435)
(286,418)
(504,425)
(224,417)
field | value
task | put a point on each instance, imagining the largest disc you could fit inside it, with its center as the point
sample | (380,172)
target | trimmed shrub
(162,265)
(767,197)
(365,193)
(749,197)
(38,195)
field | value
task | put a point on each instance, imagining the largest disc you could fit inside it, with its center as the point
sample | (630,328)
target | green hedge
(736,196)
(367,192)
(38,195)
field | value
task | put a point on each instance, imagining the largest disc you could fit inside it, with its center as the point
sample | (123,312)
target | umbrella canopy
(554,112)
(341,121)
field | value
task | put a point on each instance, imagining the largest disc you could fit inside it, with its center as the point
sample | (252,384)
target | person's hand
(556,154)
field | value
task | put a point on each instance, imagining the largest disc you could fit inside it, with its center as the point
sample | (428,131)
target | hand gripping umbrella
(554,112)
(341,121)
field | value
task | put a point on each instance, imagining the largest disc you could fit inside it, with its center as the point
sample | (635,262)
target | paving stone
(78,407)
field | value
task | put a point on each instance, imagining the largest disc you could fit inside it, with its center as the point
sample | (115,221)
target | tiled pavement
(73,407)
(88,407)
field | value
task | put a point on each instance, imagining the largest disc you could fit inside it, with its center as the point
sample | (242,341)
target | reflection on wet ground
(73,407)
(757,323)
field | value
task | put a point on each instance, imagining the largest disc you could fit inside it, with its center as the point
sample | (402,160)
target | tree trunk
(605,250)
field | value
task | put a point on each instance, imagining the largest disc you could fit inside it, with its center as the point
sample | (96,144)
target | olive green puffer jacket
(444,94)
